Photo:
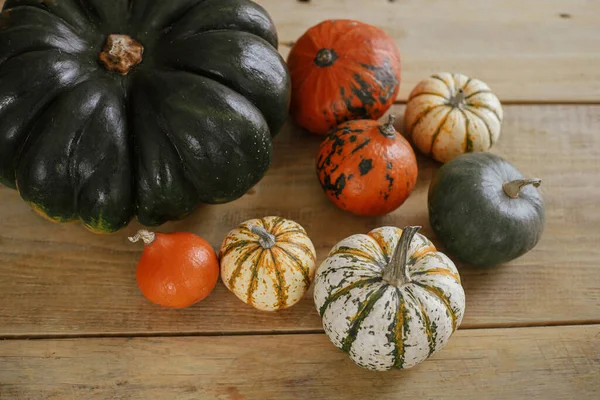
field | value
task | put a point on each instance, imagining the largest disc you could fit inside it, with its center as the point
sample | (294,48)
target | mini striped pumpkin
(268,263)
(451,114)
(388,298)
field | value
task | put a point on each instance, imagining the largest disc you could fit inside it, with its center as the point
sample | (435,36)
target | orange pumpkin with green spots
(342,70)
(367,168)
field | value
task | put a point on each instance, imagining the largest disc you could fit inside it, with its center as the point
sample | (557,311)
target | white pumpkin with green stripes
(389,299)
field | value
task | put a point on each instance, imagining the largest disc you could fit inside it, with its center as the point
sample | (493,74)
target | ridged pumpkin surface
(451,114)
(112,110)
(268,278)
(382,325)
(342,70)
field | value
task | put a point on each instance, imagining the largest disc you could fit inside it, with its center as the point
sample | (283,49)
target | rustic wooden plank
(537,50)
(548,363)
(63,280)
(528,51)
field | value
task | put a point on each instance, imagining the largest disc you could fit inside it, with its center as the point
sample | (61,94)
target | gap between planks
(537,363)
(532,102)
(121,335)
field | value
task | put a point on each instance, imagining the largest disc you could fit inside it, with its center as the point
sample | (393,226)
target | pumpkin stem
(387,129)
(459,99)
(513,188)
(146,236)
(396,272)
(121,53)
(326,57)
(267,239)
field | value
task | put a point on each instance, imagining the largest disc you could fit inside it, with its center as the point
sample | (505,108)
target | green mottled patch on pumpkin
(297,263)
(347,271)
(100,225)
(235,246)
(44,213)
(422,315)
(254,278)
(294,231)
(302,247)
(365,254)
(363,312)
(239,263)
(346,290)
(439,293)
(401,331)
(468,138)
(280,285)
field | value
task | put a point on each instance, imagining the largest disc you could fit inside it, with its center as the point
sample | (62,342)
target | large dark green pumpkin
(483,211)
(90,131)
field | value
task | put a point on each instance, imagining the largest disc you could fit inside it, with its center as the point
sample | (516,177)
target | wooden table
(76,327)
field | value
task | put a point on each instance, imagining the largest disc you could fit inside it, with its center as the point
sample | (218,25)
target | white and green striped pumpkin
(268,263)
(451,114)
(388,298)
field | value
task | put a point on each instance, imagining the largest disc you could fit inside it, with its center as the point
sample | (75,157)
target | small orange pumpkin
(367,168)
(342,70)
(176,269)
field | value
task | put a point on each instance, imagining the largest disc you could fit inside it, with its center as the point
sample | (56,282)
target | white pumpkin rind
(444,131)
(268,278)
(380,325)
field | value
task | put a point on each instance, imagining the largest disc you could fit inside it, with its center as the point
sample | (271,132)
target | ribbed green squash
(117,109)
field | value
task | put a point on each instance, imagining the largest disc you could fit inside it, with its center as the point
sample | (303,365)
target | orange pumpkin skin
(367,168)
(342,70)
(177,270)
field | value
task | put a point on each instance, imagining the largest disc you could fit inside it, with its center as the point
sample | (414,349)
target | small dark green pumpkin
(484,211)
(117,109)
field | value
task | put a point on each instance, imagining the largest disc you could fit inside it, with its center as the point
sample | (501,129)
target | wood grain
(527,51)
(62,280)
(549,363)
(536,50)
